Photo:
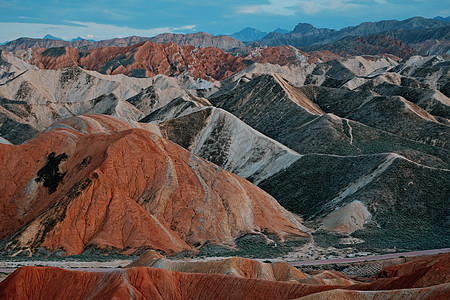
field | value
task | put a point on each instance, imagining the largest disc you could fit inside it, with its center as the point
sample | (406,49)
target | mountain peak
(76,39)
(248,34)
(51,37)
(301,27)
(281,30)
(308,29)
(442,19)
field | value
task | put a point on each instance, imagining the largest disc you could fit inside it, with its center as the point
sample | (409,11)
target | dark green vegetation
(49,174)
(254,246)
(121,60)
(56,51)
(394,159)
(407,238)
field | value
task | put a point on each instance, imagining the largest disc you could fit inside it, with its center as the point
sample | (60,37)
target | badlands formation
(195,152)
(397,282)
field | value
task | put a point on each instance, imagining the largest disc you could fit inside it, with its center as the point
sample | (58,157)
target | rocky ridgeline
(356,146)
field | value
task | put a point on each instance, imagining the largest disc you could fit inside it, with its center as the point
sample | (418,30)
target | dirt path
(367,258)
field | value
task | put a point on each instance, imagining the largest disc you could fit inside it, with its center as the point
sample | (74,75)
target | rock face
(145,59)
(125,189)
(281,55)
(199,39)
(244,268)
(29,104)
(144,283)
(343,142)
(235,266)
(435,292)
(367,45)
(148,59)
(421,272)
(337,187)
(305,35)
(220,137)
(156,283)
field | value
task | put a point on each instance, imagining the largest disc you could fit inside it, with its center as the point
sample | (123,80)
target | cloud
(186,27)
(249,9)
(381,1)
(310,7)
(318,6)
(275,7)
(291,7)
(89,30)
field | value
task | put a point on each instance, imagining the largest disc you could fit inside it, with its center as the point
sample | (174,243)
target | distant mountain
(369,45)
(51,37)
(439,18)
(305,29)
(249,34)
(306,34)
(199,39)
(281,30)
(81,39)
(433,41)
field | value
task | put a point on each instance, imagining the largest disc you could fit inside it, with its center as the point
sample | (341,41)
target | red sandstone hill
(285,55)
(420,272)
(144,283)
(198,39)
(244,268)
(145,59)
(153,283)
(148,59)
(236,266)
(94,181)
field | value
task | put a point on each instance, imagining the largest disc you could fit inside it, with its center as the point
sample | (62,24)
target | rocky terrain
(410,31)
(414,36)
(426,278)
(356,146)
(182,152)
(367,45)
(145,59)
(235,266)
(124,188)
(199,39)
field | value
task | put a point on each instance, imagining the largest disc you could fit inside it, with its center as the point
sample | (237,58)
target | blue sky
(108,19)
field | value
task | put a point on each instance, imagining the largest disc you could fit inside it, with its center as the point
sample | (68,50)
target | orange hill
(145,59)
(143,283)
(94,181)
(153,283)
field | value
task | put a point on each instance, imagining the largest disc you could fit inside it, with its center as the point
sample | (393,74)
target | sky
(92,19)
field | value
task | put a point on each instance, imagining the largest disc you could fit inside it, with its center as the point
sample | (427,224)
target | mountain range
(341,142)
(415,35)
(178,147)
